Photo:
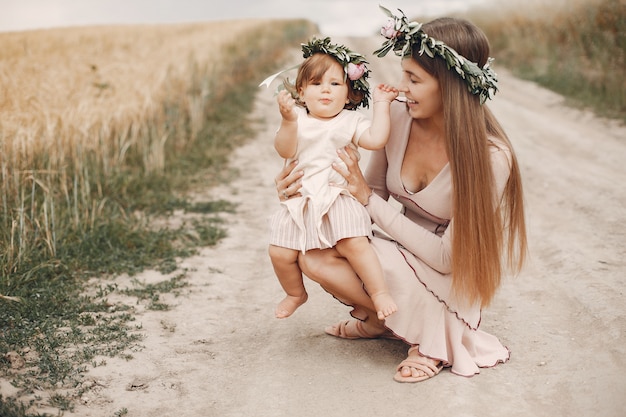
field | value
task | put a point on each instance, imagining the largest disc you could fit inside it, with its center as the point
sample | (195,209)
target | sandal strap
(426,367)
(420,362)
(357,330)
(354,331)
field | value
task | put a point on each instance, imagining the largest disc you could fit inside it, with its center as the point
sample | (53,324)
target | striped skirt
(345,218)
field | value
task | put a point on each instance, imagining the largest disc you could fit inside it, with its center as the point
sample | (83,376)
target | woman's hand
(288,182)
(357,186)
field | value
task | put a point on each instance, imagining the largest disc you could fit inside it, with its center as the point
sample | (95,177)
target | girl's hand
(286,105)
(385,92)
(288,182)
(353,175)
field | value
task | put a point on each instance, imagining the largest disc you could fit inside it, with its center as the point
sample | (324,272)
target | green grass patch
(10,407)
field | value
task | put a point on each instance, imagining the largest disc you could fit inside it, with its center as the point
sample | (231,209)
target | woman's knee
(317,265)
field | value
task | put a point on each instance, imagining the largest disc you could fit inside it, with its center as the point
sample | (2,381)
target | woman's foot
(416,368)
(357,329)
(384,304)
(289,304)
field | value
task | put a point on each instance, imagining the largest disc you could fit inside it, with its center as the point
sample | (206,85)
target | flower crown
(402,35)
(353,64)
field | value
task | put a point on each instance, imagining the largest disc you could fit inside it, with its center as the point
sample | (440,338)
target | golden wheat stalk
(9,298)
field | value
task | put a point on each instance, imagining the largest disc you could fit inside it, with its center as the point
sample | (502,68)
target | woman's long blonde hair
(481,235)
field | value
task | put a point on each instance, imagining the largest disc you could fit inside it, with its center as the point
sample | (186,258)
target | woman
(451,166)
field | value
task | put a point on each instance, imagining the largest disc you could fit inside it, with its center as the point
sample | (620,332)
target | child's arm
(286,142)
(377,135)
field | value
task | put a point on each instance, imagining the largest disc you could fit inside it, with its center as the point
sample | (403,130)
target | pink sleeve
(432,249)
(376,173)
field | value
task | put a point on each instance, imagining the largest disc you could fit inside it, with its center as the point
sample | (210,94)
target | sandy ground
(220,351)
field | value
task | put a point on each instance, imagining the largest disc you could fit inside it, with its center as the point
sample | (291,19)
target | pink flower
(356,71)
(389,31)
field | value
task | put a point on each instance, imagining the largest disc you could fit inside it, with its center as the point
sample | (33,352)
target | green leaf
(386,11)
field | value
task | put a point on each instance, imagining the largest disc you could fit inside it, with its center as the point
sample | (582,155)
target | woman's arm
(376,173)
(434,250)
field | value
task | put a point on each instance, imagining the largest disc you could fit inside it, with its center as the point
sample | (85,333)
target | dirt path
(220,352)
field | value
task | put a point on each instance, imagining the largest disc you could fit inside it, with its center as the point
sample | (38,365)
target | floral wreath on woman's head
(402,35)
(353,66)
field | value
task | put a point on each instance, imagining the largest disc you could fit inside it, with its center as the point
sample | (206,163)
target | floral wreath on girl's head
(402,35)
(353,64)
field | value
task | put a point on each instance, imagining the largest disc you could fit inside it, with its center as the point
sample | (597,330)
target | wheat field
(73,88)
(80,104)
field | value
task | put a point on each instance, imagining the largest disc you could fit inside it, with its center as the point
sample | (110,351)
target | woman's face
(421,90)
(325,98)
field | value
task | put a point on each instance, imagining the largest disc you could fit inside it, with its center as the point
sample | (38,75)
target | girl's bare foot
(385,306)
(289,304)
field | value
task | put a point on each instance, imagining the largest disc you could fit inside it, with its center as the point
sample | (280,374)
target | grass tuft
(576,48)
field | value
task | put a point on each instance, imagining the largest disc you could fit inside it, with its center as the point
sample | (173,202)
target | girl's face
(325,98)
(421,90)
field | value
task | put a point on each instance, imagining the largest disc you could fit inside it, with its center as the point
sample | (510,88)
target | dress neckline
(405,144)
(409,192)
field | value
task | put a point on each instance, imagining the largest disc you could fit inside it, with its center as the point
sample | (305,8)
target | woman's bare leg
(285,263)
(333,272)
(363,259)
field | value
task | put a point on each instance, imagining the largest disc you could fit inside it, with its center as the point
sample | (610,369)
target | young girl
(330,83)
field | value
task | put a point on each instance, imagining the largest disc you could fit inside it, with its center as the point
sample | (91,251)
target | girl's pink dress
(324,214)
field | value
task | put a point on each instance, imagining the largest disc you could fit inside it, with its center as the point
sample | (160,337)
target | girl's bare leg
(363,259)
(285,263)
(333,272)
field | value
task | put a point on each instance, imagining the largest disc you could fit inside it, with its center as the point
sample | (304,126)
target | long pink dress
(417,259)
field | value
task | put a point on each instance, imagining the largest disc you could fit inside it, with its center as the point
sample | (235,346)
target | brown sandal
(353,329)
(419,362)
